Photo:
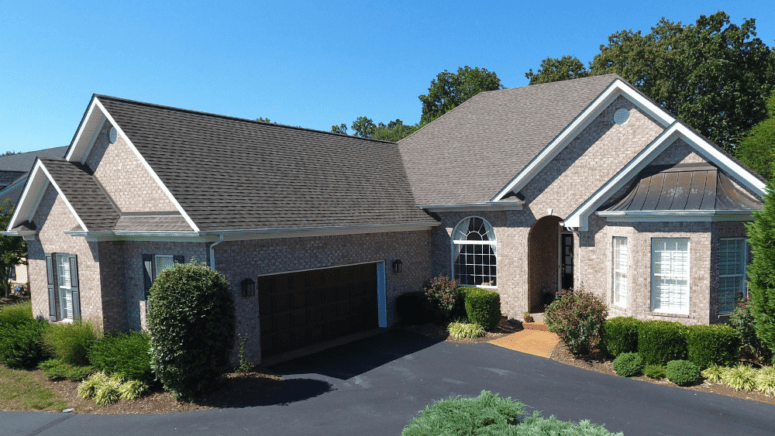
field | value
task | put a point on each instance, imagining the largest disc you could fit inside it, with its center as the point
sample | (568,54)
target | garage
(308,307)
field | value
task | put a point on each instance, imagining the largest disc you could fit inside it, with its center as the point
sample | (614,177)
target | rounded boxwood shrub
(412,308)
(629,364)
(660,342)
(682,372)
(21,345)
(620,335)
(709,345)
(191,320)
(71,342)
(125,354)
(483,307)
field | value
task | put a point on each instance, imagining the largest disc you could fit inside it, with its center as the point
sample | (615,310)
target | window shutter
(52,297)
(147,273)
(76,295)
(178,259)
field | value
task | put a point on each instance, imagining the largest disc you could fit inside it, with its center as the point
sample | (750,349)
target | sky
(309,64)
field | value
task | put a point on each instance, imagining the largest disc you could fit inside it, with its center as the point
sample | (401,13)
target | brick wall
(238,260)
(124,177)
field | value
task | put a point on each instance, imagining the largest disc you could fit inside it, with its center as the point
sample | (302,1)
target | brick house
(524,191)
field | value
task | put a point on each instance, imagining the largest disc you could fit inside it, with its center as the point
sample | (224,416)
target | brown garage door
(305,308)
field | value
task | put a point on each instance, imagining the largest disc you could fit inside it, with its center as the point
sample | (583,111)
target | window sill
(670,315)
(477,286)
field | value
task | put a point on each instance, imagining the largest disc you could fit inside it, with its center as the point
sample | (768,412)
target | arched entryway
(550,268)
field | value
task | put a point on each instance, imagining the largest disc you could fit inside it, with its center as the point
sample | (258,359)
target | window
(64,300)
(155,264)
(620,261)
(473,253)
(163,262)
(670,276)
(731,270)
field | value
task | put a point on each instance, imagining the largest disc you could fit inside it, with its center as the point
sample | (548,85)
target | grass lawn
(24,390)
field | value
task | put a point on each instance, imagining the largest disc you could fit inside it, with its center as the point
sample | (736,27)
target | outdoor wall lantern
(397,266)
(248,288)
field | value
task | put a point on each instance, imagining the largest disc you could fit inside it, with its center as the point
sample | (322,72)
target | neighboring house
(523,191)
(14,170)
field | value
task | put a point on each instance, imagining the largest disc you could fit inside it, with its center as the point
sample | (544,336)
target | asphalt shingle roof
(469,154)
(82,191)
(232,174)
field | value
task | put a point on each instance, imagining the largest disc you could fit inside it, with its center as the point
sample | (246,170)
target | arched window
(473,253)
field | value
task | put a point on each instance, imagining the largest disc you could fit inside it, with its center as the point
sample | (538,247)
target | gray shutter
(147,274)
(178,259)
(76,295)
(52,295)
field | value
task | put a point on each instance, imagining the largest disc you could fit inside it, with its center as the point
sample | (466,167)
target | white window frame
(157,271)
(492,243)
(743,275)
(687,277)
(67,312)
(620,275)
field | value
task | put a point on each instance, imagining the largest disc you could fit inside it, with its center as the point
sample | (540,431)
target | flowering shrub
(576,317)
(443,297)
(743,321)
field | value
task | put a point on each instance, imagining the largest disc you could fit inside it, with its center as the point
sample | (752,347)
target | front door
(566,267)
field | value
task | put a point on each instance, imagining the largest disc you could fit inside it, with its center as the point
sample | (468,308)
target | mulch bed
(439,332)
(594,362)
(237,390)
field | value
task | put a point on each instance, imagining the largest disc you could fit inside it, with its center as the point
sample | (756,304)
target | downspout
(212,251)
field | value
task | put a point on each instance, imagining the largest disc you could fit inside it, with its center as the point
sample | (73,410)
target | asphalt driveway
(375,386)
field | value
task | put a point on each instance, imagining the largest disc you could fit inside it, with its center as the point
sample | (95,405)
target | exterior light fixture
(397,266)
(248,288)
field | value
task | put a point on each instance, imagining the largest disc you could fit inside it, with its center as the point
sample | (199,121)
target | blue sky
(298,63)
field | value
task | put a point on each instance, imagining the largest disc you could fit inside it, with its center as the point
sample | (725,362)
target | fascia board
(615,89)
(86,133)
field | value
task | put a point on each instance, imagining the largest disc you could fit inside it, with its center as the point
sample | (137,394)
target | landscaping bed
(594,361)
(434,331)
(37,392)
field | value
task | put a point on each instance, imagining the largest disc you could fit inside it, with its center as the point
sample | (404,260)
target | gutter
(212,252)
(489,205)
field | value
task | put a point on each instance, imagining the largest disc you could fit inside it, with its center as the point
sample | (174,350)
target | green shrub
(460,330)
(743,321)
(488,414)
(443,298)
(102,388)
(660,342)
(619,335)
(628,365)
(709,345)
(682,372)
(740,377)
(714,373)
(191,320)
(21,345)
(655,371)
(55,370)
(132,390)
(765,380)
(17,313)
(412,308)
(126,354)
(576,317)
(483,307)
(71,342)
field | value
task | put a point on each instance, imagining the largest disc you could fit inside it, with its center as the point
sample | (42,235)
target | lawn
(25,390)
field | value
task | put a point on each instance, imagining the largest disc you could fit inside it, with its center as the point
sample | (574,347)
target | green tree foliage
(554,70)
(13,249)
(364,127)
(713,75)
(757,147)
(761,272)
(448,90)
(341,129)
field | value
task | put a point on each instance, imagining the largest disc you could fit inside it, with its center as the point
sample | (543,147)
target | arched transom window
(473,253)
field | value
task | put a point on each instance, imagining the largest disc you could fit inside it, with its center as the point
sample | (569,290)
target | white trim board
(580,217)
(617,88)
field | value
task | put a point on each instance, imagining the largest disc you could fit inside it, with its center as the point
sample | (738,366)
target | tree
(554,70)
(13,249)
(10,153)
(394,131)
(363,127)
(448,90)
(761,272)
(757,147)
(341,129)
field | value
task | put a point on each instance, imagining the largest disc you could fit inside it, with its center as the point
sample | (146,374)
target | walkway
(535,339)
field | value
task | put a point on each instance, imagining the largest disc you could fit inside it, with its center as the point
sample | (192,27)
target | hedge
(412,308)
(71,342)
(620,335)
(709,345)
(483,307)
(21,345)
(660,342)
(125,354)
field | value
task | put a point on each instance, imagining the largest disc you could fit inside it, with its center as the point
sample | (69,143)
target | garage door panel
(298,299)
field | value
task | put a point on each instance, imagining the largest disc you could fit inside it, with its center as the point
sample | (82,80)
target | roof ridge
(228,117)
(556,82)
